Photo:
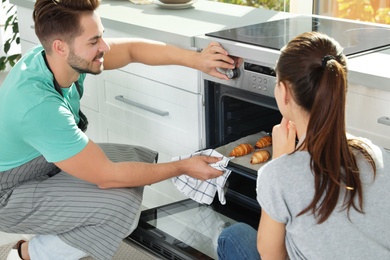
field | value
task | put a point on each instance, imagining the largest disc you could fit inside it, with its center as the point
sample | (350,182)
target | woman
(324,197)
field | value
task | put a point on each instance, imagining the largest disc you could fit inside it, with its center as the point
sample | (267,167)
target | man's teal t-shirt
(34,118)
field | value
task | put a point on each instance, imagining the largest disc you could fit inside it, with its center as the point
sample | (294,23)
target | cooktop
(354,37)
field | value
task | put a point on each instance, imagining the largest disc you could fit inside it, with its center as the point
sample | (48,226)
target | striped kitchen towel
(204,191)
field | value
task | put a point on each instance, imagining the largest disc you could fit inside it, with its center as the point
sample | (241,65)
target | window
(375,11)
(277,5)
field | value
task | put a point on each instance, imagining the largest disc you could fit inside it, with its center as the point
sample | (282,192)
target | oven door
(189,230)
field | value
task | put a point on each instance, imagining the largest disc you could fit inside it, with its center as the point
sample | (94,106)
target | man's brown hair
(60,19)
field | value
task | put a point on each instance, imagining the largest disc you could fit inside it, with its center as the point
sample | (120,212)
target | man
(54,181)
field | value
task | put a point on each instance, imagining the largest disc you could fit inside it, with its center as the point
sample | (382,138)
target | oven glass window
(193,228)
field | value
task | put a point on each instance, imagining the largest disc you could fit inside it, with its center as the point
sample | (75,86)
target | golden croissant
(260,156)
(242,149)
(265,141)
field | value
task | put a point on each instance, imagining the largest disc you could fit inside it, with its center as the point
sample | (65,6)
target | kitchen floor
(6,238)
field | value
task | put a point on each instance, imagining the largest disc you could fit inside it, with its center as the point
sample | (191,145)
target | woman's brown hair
(60,19)
(315,66)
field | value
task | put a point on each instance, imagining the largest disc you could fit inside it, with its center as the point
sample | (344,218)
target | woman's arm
(124,51)
(270,238)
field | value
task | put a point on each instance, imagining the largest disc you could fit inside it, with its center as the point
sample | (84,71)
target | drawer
(177,76)
(26,25)
(368,114)
(150,113)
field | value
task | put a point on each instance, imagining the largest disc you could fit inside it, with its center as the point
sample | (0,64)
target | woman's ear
(285,91)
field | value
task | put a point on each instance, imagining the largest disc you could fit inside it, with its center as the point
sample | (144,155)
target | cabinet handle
(141,106)
(385,120)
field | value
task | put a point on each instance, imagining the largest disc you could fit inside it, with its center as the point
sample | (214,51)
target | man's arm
(92,165)
(124,51)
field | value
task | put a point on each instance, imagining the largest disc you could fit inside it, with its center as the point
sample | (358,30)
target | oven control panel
(259,79)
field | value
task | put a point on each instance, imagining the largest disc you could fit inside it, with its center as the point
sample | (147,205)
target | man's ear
(60,47)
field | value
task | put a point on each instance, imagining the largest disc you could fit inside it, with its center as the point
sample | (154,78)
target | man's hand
(215,56)
(283,138)
(198,167)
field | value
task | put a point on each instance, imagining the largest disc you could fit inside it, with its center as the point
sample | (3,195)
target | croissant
(264,142)
(242,149)
(260,156)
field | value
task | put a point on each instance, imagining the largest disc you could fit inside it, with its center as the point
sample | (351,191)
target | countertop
(180,27)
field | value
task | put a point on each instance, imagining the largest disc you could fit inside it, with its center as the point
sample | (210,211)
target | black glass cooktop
(354,37)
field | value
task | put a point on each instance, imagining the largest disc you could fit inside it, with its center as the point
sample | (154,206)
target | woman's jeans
(238,241)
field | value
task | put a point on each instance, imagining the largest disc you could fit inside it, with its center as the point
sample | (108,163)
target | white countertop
(180,27)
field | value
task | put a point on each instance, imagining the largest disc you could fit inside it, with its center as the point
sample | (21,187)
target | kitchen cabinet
(368,114)
(28,39)
(150,113)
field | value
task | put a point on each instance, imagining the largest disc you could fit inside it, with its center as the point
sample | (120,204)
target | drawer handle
(385,120)
(139,105)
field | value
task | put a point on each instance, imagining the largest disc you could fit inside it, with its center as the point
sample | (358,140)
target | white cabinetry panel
(26,28)
(364,107)
(90,96)
(173,134)
(177,76)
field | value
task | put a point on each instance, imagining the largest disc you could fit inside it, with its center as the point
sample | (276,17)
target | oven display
(259,79)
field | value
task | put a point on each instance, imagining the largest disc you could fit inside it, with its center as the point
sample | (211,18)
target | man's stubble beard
(83,66)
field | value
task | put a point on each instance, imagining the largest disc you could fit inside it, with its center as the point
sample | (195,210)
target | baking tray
(243,162)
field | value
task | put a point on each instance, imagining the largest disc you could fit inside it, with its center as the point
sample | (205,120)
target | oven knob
(232,73)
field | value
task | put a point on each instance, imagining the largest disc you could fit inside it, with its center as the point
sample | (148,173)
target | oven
(189,230)
(240,111)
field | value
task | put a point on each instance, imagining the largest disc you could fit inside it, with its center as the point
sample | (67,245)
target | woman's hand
(283,138)
(215,56)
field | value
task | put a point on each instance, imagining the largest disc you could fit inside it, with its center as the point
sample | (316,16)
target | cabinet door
(368,114)
(144,112)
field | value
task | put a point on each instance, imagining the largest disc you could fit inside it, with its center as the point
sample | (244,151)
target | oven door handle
(242,170)
(142,106)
